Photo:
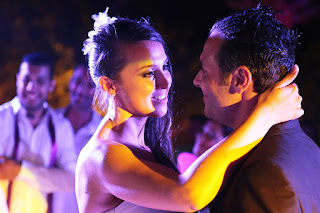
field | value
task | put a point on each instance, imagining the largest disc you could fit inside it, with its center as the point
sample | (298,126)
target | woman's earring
(111,114)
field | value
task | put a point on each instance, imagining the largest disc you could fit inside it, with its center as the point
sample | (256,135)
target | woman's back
(97,197)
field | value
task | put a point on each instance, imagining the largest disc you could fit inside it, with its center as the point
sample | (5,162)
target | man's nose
(30,86)
(197,80)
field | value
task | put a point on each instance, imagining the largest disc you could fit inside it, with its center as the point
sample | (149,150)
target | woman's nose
(163,79)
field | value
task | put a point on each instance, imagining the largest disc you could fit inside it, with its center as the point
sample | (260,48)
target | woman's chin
(158,113)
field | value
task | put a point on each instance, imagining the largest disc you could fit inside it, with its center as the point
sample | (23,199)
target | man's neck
(245,109)
(34,116)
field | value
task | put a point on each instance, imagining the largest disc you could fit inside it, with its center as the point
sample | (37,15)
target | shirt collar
(16,105)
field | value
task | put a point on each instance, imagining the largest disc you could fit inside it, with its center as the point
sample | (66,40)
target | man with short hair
(36,145)
(245,54)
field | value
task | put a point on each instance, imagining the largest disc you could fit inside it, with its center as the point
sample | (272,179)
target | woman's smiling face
(144,83)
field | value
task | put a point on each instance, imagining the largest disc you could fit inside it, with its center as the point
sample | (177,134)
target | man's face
(33,85)
(81,88)
(216,92)
(211,134)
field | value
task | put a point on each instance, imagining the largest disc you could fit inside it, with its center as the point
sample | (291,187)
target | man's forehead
(217,33)
(29,69)
(211,47)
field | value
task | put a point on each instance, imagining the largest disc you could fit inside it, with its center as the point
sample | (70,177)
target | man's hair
(39,58)
(255,39)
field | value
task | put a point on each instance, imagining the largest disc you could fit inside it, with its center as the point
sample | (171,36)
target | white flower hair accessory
(100,19)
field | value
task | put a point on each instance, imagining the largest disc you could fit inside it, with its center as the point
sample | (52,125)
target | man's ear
(17,77)
(241,79)
(107,85)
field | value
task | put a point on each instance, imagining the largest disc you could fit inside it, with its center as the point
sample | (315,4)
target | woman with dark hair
(127,166)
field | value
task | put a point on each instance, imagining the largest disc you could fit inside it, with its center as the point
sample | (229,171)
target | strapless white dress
(126,207)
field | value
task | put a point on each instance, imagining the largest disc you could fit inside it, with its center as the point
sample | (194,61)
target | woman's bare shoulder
(105,154)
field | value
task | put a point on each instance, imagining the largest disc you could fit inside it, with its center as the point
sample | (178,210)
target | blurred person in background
(83,118)
(79,112)
(207,133)
(36,144)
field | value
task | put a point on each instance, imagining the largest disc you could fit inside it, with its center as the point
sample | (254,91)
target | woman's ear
(241,79)
(107,85)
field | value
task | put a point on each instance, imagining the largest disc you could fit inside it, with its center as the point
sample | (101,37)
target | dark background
(59,27)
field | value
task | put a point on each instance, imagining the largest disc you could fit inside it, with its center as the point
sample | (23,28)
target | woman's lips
(160,98)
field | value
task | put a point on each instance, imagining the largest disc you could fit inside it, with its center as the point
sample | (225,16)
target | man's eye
(75,81)
(26,80)
(203,70)
(41,81)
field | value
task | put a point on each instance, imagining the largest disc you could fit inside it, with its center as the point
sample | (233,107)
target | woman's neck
(124,129)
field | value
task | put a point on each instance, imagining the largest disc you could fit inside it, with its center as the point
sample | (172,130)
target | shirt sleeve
(6,130)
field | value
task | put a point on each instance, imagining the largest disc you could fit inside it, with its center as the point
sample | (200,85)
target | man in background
(205,133)
(83,118)
(79,112)
(36,145)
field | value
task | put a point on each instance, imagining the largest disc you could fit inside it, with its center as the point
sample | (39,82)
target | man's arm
(59,178)
(46,180)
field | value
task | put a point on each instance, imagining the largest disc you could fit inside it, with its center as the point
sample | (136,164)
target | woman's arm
(155,186)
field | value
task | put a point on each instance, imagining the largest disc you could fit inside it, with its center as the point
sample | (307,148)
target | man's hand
(9,169)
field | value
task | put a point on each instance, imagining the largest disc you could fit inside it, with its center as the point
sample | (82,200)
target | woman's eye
(149,74)
(166,67)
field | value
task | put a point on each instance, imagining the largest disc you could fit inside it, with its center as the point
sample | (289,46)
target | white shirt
(36,179)
(82,136)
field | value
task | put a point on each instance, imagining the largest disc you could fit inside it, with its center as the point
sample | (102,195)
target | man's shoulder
(290,151)
(286,158)
(6,105)
(287,146)
(286,136)
(6,109)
